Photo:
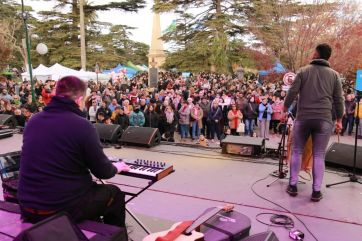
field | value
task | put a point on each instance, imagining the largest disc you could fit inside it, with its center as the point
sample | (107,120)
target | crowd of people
(207,106)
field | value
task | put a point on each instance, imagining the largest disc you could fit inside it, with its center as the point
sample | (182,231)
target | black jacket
(122,120)
(60,151)
(152,119)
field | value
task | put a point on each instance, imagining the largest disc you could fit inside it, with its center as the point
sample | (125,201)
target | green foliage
(204,40)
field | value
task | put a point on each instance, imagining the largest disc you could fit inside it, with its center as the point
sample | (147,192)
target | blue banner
(359,80)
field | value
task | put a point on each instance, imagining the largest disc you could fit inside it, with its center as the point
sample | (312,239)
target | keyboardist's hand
(121,166)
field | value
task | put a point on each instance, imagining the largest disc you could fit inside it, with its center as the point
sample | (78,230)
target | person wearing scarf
(235,117)
(196,120)
(184,121)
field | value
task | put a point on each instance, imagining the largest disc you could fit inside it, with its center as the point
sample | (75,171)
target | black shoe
(292,190)
(316,196)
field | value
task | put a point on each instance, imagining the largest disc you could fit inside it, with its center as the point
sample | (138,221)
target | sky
(142,20)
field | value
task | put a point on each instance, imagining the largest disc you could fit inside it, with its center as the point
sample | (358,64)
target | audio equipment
(265,236)
(243,145)
(141,136)
(7,120)
(145,169)
(6,133)
(109,133)
(341,155)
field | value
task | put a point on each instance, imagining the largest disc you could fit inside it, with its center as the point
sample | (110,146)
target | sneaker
(292,190)
(316,196)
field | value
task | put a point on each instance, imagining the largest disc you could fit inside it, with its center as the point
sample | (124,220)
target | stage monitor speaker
(60,227)
(340,155)
(109,133)
(7,120)
(243,145)
(141,136)
(265,236)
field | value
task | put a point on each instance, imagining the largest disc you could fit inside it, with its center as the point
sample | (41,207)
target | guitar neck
(202,219)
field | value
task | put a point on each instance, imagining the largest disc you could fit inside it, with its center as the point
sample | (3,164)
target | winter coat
(197,117)
(151,119)
(234,119)
(267,108)
(277,111)
(251,110)
(137,119)
(215,114)
(184,113)
(122,120)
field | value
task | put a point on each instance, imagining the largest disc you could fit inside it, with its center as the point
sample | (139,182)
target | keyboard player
(61,150)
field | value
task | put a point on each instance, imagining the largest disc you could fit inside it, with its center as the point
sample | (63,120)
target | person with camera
(61,151)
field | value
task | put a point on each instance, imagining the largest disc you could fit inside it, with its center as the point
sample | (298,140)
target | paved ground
(206,178)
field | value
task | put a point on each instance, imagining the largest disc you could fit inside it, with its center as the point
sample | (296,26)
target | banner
(359,80)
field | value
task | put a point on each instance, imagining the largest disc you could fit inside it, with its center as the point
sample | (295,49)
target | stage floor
(206,178)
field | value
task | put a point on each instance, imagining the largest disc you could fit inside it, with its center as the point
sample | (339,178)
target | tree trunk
(82,37)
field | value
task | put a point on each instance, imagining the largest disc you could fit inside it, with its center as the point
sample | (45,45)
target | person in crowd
(251,113)
(169,122)
(121,118)
(137,118)
(359,114)
(235,118)
(152,118)
(278,111)
(92,112)
(128,109)
(319,88)
(349,113)
(47,93)
(100,117)
(265,112)
(196,120)
(5,95)
(19,117)
(184,120)
(112,106)
(67,168)
(214,118)
(104,109)
(205,106)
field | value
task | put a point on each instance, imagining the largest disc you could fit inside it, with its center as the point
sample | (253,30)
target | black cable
(253,190)
(7,235)
(277,220)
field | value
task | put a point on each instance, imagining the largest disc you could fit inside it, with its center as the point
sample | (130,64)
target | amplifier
(243,145)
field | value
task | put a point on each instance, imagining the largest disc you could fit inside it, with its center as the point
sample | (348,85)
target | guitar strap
(173,234)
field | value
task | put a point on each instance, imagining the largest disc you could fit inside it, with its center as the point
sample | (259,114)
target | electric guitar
(185,231)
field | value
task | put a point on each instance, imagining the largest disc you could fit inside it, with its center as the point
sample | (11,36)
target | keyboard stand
(134,195)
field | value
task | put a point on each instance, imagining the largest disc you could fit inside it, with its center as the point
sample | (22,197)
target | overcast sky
(142,20)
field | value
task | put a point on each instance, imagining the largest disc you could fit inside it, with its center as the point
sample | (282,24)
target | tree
(60,30)
(204,39)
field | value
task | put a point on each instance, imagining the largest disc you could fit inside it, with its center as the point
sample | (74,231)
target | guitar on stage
(185,231)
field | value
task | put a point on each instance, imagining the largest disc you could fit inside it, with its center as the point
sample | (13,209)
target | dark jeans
(205,128)
(321,131)
(102,200)
(348,120)
(274,126)
(214,128)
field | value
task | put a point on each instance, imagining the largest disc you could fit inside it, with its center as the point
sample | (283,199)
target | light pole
(97,70)
(24,16)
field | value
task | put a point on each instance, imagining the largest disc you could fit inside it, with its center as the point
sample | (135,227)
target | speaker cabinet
(7,120)
(341,156)
(109,133)
(141,136)
(265,236)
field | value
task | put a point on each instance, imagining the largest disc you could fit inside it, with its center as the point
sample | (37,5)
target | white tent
(58,71)
(40,73)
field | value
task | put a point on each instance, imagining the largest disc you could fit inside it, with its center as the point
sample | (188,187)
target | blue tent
(130,72)
(277,68)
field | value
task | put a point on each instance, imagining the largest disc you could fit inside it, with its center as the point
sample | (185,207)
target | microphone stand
(281,173)
(352,176)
